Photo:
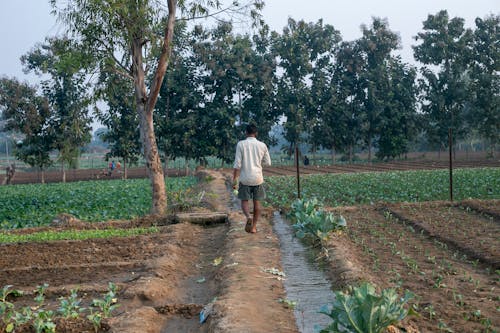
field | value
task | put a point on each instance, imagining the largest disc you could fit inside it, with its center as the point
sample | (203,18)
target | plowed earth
(164,279)
(446,254)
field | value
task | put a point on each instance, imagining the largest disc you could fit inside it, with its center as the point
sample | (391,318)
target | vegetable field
(400,233)
(396,186)
(37,205)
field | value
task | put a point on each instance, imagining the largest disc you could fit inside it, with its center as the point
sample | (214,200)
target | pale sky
(23,23)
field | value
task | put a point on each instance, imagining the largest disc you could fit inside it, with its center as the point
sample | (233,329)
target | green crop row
(46,236)
(38,204)
(373,187)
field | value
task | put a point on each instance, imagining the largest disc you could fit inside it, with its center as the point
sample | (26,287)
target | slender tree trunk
(145,105)
(370,149)
(166,166)
(350,154)
(150,149)
(63,172)
(153,163)
(333,156)
(43,175)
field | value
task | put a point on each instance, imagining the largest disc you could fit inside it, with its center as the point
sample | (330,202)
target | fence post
(450,143)
(298,172)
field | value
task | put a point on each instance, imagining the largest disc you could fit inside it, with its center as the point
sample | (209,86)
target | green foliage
(42,319)
(107,304)
(37,204)
(46,236)
(311,220)
(28,113)
(399,186)
(364,311)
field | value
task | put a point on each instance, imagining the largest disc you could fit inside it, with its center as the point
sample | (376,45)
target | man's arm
(236,175)
(237,165)
(266,160)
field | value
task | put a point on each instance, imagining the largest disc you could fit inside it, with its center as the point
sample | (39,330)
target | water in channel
(305,282)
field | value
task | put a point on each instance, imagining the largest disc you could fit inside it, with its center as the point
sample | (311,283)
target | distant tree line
(326,92)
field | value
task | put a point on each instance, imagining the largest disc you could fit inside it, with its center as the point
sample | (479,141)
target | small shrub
(312,221)
(364,311)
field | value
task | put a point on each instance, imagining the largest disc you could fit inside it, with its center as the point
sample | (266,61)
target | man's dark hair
(251,129)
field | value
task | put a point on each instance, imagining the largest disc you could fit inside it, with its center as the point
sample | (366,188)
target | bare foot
(249,226)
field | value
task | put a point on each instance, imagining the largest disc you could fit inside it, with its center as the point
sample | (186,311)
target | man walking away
(251,155)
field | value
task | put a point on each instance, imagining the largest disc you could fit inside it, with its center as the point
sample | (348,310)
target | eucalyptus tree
(28,113)
(300,48)
(136,31)
(377,43)
(485,81)
(66,90)
(445,50)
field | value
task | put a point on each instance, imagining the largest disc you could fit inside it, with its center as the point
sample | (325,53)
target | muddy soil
(453,292)
(164,279)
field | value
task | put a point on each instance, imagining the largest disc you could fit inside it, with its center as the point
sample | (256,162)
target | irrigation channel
(305,282)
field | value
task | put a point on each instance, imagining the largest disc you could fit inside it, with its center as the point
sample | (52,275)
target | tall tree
(377,43)
(485,81)
(445,52)
(28,113)
(120,118)
(180,103)
(128,29)
(299,48)
(66,91)
(398,117)
(343,119)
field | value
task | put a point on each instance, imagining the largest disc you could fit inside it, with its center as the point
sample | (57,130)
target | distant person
(10,172)
(306,160)
(111,167)
(118,166)
(251,155)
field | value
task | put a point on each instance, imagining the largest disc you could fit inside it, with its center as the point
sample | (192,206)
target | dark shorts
(247,192)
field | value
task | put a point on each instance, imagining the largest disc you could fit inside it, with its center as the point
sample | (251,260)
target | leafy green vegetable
(364,311)
(398,186)
(38,204)
(311,220)
(74,235)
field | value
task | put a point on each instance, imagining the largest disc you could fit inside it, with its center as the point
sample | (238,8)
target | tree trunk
(125,169)
(145,106)
(333,156)
(350,154)
(149,147)
(43,175)
(153,163)
(63,172)
(370,149)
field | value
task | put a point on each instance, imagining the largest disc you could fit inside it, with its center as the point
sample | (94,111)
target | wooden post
(450,144)
(298,172)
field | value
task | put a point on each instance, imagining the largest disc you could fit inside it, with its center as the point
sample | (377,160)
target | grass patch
(45,236)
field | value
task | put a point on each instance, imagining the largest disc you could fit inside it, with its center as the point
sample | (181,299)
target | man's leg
(245,208)
(256,215)
(246,211)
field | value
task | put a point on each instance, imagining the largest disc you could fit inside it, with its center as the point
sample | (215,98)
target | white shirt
(251,155)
